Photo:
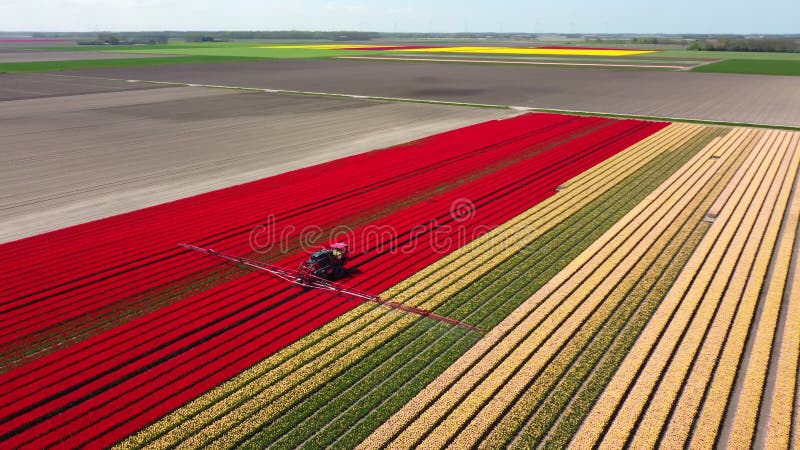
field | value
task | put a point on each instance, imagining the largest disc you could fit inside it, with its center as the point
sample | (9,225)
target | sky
(566,16)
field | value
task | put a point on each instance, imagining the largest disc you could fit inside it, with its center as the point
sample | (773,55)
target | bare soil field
(84,157)
(14,56)
(26,86)
(708,96)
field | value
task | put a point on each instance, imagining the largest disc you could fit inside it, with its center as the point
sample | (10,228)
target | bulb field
(634,283)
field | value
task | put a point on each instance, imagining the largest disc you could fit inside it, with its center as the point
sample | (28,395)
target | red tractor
(327,263)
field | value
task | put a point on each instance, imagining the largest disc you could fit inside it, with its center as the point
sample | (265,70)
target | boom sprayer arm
(312,281)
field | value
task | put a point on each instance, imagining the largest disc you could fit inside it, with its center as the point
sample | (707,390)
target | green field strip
(753,66)
(44,66)
(254,51)
(776,56)
(491,296)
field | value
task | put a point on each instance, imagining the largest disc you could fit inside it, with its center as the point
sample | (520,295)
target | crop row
(690,364)
(263,391)
(223,341)
(594,426)
(690,352)
(466,411)
(784,397)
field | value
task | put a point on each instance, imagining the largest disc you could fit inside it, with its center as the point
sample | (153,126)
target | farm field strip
(451,404)
(18,428)
(552,50)
(728,293)
(593,427)
(669,397)
(661,404)
(305,359)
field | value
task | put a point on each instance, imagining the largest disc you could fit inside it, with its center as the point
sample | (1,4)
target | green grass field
(251,51)
(42,66)
(753,66)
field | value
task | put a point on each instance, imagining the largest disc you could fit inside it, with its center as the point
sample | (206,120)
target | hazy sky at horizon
(579,16)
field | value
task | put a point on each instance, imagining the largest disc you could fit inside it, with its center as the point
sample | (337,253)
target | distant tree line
(107,38)
(208,36)
(786,45)
(638,40)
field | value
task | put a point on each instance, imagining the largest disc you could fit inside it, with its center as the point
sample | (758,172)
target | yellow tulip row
(784,396)
(267,388)
(728,295)
(454,380)
(743,290)
(753,388)
(608,404)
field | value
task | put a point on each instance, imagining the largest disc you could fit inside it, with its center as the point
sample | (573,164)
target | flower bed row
(682,342)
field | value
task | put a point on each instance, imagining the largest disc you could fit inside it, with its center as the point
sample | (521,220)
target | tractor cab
(327,263)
